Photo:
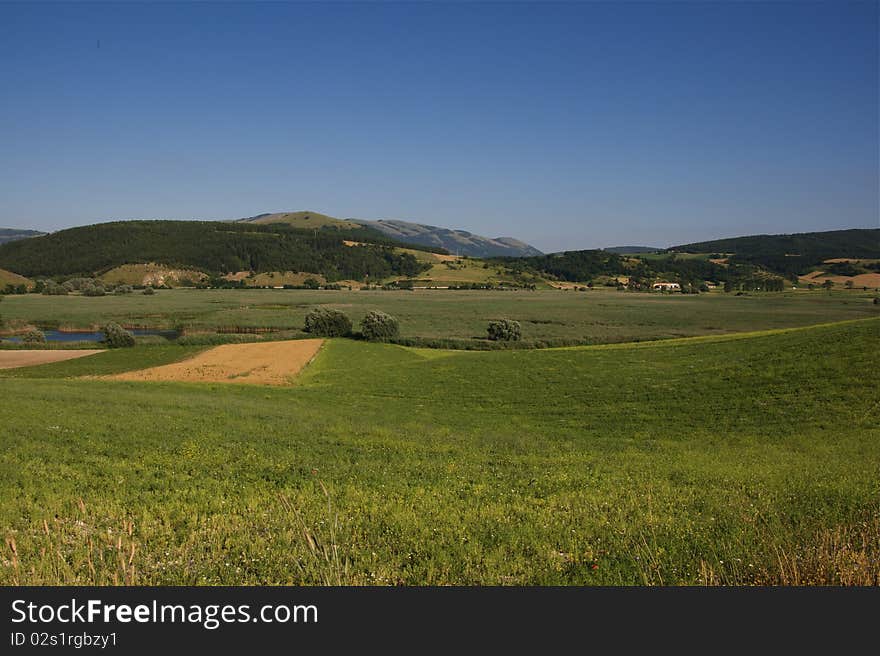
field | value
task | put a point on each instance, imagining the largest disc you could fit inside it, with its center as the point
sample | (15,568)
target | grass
(734,460)
(597,316)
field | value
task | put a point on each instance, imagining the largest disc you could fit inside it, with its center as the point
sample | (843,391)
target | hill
(152,274)
(13,234)
(9,278)
(457,242)
(629,250)
(304,220)
(214,247)
(639,270)
(795,253)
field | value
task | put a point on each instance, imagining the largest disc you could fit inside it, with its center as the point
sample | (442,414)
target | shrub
(148,291)
(116,336)
(93,290)
(506,330)
(34,336)
(379,327)
(52,288)
(123,289)
(327,323)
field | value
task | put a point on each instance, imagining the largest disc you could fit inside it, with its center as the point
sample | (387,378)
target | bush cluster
(379,327)
(116,336)
(34,336)
(52,288)
(93,290)
(327,322)
(506,330)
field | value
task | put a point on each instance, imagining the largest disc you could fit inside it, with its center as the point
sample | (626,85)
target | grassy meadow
(598,316)
(748,458)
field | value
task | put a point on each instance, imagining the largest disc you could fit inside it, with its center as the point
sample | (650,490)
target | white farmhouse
(666,287)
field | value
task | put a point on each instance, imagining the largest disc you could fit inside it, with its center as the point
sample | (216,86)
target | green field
(747,458)
(597,316)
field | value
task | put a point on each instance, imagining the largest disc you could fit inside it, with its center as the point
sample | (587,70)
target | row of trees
(756,284)
(86,286)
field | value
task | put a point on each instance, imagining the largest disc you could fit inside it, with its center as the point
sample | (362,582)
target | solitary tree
(34,336)
(379,327)
(327,322)
(116,336)
(505,330)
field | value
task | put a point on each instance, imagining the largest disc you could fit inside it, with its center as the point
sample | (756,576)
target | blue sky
(576,125)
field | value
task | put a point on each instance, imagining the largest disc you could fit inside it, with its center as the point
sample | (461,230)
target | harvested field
(269,363)
(15,359)
(861,280)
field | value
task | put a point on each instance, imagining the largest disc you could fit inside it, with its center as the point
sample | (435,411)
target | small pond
(88,336)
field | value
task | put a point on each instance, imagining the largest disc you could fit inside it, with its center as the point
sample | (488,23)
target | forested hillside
(640,271)
(793,254)
(214,247)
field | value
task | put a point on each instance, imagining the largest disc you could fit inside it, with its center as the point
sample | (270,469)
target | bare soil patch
(23,358)
(269,363)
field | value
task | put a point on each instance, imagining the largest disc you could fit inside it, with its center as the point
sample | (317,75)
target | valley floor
(744,459)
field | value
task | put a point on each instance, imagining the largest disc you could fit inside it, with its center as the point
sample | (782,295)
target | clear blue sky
(566,125)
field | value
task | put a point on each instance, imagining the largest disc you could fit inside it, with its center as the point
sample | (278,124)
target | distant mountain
(303,220)
(620,250)
(457,242)
(12,234)
(795,253)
